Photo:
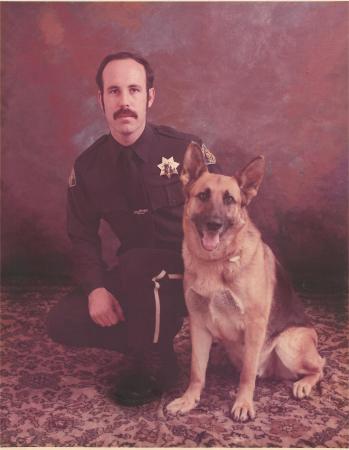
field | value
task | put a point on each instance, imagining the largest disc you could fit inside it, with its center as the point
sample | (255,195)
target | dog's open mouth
(210,240)
(210,231)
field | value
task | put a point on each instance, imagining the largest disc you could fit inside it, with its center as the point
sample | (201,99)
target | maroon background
(249,78)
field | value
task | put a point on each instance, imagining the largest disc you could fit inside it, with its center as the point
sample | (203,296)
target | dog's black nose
(213,226)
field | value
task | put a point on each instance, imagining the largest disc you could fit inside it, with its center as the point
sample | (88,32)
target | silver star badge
(168,167)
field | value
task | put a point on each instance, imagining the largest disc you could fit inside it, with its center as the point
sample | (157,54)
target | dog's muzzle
(214,227)
(210,230)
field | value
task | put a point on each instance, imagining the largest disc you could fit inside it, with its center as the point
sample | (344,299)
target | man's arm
(83,224)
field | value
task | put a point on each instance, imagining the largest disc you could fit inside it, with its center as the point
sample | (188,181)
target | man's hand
(104,309)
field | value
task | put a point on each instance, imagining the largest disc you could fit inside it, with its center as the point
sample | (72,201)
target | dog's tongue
(210,241)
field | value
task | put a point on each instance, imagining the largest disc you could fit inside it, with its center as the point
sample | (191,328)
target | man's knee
(65,319)
(69,323)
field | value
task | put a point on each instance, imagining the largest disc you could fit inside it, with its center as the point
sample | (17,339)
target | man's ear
(193,165)
(100,100)
(151,97)
(250,179)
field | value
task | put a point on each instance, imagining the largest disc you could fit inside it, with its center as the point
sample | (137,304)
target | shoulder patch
(72,178)
(209,157)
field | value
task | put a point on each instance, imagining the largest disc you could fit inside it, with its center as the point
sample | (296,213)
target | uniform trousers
(148,285)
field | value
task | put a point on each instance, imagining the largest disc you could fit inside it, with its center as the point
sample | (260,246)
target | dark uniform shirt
(124,186)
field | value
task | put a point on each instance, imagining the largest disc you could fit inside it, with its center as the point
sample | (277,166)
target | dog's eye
(228,199)
(204,196)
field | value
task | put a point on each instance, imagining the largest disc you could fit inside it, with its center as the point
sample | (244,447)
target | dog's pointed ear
(193,165)
(250,178)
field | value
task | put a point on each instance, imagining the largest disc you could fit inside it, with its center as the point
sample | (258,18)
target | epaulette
(92,147)
(171,132)
(99,141)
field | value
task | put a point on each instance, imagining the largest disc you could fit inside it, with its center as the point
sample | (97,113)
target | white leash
(156,279)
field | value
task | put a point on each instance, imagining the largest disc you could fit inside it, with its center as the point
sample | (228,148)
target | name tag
(139,212)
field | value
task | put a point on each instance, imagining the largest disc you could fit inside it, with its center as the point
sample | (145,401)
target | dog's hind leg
(201,341)
(296,348)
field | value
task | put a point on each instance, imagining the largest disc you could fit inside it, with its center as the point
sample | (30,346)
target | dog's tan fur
(237,292)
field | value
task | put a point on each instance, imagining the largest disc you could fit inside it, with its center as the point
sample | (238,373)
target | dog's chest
(222,313)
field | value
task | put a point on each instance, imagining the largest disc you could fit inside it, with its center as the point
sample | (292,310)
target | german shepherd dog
(237,292)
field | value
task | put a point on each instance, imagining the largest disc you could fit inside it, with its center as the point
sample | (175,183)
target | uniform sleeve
(82,226)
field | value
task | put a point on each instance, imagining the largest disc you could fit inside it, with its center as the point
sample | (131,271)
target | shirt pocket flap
(166,196)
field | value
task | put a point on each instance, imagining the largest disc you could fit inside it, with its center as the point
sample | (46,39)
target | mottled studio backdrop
(249,78)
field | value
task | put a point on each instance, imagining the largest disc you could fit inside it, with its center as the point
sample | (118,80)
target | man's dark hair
(125,55)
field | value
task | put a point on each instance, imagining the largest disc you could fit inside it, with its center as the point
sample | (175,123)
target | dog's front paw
(301,389)
(243,410)
(182,404)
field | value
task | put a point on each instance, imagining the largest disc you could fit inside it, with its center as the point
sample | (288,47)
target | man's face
(125,100)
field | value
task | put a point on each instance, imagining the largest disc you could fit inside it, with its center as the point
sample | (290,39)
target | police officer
(129,178)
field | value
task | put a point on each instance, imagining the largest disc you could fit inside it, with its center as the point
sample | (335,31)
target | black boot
(146,376)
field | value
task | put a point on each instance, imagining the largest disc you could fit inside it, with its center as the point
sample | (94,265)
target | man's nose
(124,99)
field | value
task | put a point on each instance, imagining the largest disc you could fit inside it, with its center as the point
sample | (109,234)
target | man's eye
(204,196)
(228,199)
(113,91)
(134,90)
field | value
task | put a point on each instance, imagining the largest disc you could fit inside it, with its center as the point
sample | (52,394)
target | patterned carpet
(57,396)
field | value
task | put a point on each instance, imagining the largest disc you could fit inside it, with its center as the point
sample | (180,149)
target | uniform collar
(141,147)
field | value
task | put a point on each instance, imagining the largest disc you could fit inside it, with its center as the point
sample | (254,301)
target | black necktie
(131,177)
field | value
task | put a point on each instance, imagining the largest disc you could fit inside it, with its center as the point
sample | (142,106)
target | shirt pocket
(167,195)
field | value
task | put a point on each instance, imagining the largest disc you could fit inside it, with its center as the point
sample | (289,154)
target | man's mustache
(124,112)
